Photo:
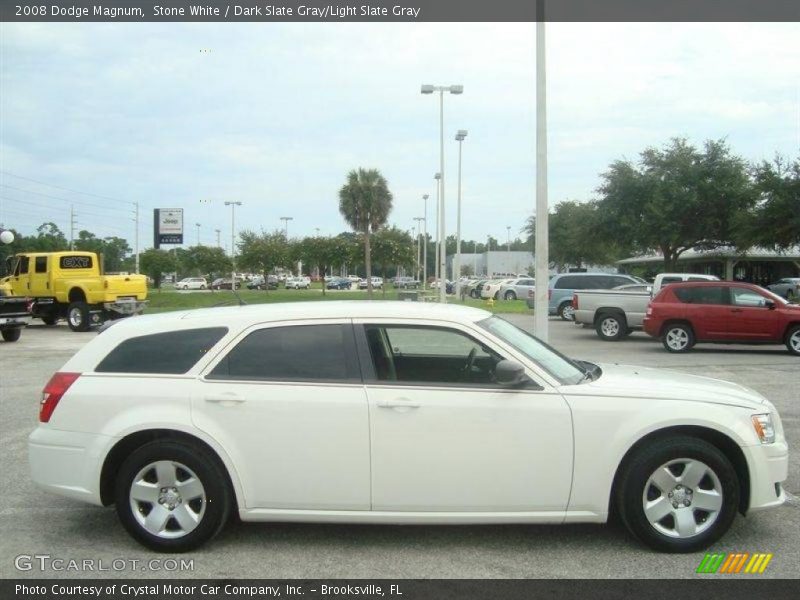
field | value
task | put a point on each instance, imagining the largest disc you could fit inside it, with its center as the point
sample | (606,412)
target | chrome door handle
(224,400)
(398,403)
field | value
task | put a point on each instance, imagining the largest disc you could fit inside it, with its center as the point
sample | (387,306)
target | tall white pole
(542,256)
(442,240)
(136,239)
(436,275)
(425,245)
(457,257)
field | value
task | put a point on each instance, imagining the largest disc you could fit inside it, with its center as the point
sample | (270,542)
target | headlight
(764,429)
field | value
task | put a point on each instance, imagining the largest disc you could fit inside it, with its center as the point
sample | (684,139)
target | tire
(497,295)
(678,338)
(793,340)
(566,312)
(187,467)
(202,287)
(11,335)
(50,320)
(78,316)
(677,494)
(610,327)
(510,295)
(473,294)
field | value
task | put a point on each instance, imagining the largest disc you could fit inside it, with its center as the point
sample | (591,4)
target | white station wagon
(384,412)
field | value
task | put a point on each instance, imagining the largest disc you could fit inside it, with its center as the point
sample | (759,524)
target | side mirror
(510,374)
(770,304)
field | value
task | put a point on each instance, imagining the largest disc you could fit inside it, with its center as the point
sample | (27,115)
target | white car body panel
(333,452)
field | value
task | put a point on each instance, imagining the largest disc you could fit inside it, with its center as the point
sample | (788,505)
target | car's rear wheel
(611,327)
(78,316)
(50,320)
(566,311)
(172,496)
(202,286)
(511,295)
(11,335)
(678,495)
(793,340)
(678,337)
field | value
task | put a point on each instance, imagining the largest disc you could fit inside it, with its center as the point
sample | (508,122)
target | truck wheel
(611,327)
(50,320)
(78,316)
(12,335)
(566,311)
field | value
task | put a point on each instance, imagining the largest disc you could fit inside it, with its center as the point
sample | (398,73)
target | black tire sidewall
(621,332)
(84,308)
(12,334)
(639,469)
(510,296)
(789,334)
(207,468)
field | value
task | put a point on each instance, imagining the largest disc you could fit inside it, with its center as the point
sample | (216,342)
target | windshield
(552,361)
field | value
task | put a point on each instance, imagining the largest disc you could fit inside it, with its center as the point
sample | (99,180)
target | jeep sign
(168,226)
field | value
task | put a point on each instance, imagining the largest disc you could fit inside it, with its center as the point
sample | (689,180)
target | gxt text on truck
(69,285)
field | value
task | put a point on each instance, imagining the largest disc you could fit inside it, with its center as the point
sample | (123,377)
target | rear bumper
(67,463)
(14,321)
(768,465)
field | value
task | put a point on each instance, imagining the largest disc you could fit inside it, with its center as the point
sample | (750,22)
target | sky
(99,116)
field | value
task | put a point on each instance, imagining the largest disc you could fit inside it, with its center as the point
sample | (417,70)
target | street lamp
(460,135)
(419,221)
(436,270)
(425,247)
(217,231)
(508,238)
(453,89)
(233,206)
(286,225)
(198,233)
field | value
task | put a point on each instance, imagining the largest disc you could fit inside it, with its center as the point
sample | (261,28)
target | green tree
(322,252)
(675,199)
(154,263)
(572,237)
(263,252)
(207,261)
(113,249)
(49,238)
(393,246)
(365,203)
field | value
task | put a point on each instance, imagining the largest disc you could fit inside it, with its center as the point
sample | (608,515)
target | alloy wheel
(677,338)
(794,341)
(610,327)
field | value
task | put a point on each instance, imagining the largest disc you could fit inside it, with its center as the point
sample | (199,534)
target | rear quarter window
(168,353)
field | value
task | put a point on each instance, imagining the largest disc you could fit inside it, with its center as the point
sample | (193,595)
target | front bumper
(768,465)
(68,463)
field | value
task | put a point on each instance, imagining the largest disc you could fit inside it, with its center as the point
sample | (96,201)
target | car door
(40,277)
(444,437)
(287,402)
(750,318)
(707,309)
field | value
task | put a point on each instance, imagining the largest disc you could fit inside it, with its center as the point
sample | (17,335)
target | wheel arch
(716,438)
(789,326)
(125,446)
(76,294)
(609,310)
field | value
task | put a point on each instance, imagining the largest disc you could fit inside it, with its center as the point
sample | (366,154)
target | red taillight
(575,301)
(52,392)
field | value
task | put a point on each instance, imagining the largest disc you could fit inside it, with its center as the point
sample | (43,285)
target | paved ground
(35,523)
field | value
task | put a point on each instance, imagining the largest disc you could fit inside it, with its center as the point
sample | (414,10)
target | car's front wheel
(511,295)
(678,494)
(172,496)
(793,340)
(566,311)
(678,337)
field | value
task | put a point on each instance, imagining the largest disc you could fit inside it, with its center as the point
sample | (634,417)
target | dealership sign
(168,226)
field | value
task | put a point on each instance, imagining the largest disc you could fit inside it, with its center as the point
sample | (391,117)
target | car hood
(643,382)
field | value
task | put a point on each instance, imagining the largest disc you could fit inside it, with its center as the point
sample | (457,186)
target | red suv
(722,312)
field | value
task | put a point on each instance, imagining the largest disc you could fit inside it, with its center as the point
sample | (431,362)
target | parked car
(474,289)
(231,410)
(616,313)
(788,287)
(517,288)
(339,283)
(224,283)
(491,289)
(563,285)
(192,283)
(257,283)
(406,283)
(298,283)
(377,283)
(723,312)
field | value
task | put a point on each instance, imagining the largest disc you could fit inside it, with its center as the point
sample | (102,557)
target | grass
(168,299)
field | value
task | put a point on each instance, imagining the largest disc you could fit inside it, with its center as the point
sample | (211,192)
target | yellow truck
(69,285)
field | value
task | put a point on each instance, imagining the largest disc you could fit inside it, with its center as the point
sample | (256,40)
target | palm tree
(365,203)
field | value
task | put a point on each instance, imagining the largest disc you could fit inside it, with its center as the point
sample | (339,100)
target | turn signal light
(52,393)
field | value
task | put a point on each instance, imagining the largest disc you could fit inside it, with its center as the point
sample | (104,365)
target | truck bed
(632,304)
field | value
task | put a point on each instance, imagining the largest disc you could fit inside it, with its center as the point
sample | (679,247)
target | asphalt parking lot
(36,523)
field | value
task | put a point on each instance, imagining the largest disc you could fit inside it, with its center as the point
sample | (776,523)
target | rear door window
(41,264)
(702,295)
(293,353)
(171,353)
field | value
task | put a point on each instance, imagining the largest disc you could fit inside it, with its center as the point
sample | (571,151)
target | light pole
(233,206)
(508,238)
(198,233)
(419,221)
(542,258)
(453,89)
(460,135)
(436,271)
(217,231)
(425,247)
(286,225)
